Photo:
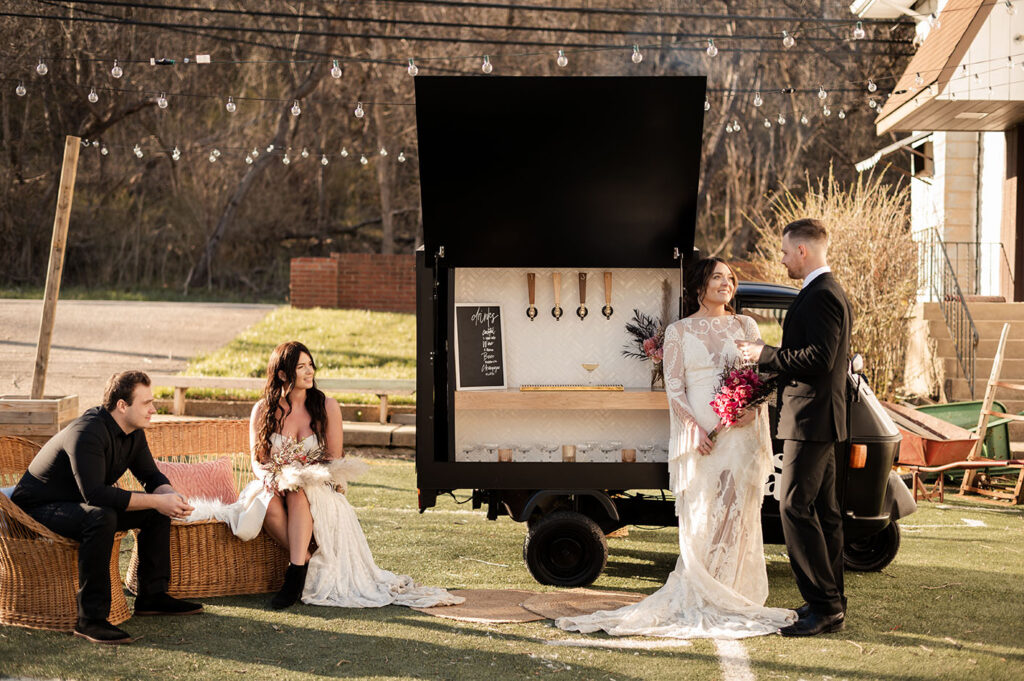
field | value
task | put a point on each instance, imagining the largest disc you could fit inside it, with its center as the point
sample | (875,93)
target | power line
(453,24)
(430,39)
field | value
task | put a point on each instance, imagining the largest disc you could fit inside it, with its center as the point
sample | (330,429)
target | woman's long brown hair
(284,360)
(697,277)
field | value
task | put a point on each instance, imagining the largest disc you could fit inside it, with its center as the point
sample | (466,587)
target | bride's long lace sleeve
(684,423)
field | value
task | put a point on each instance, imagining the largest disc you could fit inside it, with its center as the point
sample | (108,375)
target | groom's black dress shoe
(805,609)
(162,604)
(814,624)
(101,631)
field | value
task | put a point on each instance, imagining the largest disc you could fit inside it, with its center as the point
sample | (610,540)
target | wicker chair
(206,558)
(39,568)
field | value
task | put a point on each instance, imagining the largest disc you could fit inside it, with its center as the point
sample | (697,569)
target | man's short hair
(122,387)
(806,229)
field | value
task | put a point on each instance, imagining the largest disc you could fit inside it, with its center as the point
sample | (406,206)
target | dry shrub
(872,255)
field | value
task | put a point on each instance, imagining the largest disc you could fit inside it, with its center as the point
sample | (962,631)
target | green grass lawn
(949,607)
(344,343)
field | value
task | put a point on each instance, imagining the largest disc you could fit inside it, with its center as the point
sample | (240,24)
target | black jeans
(813,524)
(94,528)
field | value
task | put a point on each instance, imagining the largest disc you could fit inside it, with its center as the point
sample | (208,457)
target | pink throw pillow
(206,480)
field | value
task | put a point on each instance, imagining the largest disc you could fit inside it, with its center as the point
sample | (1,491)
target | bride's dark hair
(697,277)
(284,359)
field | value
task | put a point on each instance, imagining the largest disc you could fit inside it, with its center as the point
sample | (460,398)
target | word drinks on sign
(479,345)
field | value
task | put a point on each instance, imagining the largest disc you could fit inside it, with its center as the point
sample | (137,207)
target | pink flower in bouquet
(653,348)
(740,388)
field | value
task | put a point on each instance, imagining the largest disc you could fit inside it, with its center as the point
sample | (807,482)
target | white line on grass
(735,663)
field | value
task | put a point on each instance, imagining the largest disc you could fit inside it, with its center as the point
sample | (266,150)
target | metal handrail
(974,250)
(945,288)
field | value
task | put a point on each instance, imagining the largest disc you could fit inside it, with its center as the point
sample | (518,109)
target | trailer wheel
(873,553)
(565,549)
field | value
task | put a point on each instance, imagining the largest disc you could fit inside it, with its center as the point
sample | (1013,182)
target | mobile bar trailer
(532,188)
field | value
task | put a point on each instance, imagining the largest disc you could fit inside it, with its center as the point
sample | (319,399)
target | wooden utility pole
(65,195)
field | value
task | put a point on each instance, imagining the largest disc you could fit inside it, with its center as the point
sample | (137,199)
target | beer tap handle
(556,311)
(531,284)
(607,309)
(581,311)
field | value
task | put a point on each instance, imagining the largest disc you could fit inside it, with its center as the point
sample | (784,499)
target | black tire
(565,549)
(873,553)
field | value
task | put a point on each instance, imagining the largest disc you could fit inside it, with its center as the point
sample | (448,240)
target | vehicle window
(769,322)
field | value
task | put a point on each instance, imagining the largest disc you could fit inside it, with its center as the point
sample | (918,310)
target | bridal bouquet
(285,460)
(740,387)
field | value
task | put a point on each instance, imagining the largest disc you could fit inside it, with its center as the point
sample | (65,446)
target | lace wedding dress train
(719,585)
(342,572)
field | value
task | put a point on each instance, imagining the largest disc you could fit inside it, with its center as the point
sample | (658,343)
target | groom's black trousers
(812,523)
(94,528)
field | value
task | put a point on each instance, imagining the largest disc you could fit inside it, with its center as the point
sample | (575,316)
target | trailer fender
(544,495)
(898,498)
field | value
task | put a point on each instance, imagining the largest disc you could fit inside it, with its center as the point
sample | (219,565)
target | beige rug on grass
(487,605)
(575,602)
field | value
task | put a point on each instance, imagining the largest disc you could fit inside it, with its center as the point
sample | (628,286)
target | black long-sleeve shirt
(82,462)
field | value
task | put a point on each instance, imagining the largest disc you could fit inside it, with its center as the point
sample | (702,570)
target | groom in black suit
(812,363)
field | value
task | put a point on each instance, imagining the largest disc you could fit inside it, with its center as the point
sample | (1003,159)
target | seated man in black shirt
(69,488)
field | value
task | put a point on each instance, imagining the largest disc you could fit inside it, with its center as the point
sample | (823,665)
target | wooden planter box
(36,420)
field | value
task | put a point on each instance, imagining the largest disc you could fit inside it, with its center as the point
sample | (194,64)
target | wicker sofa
(206,558)
(39,568)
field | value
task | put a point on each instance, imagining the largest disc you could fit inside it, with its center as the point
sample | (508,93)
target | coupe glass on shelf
(550,451)
(584,449)
(469,453)
(645,451)
(590,368)
(611,449)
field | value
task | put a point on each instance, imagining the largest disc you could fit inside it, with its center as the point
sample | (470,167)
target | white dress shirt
(815,273)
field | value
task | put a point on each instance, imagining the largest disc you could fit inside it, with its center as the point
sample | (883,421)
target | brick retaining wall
(364,281)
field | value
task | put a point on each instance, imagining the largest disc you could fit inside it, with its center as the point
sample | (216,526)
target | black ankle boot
(291,590)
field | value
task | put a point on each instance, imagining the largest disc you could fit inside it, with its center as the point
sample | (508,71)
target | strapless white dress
(342,572)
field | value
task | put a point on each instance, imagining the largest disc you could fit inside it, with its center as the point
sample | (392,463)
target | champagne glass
(549,451)
(590,368)
(468,453)
(583,449)
(646,452)
(611,449)
(491,451)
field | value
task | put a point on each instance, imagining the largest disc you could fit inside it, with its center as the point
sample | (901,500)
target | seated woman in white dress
(298,502)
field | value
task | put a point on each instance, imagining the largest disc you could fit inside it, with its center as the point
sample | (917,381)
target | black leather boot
(291,590)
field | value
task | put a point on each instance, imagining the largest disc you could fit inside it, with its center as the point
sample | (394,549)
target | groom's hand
(750,351)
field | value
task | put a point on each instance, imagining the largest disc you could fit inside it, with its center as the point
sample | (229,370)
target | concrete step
(986,347)
(987,330)
(1012,372)
(981,311)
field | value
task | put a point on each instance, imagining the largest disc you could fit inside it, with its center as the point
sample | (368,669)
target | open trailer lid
(554,172)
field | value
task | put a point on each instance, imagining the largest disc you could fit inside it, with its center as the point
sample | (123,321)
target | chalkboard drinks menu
(479,340)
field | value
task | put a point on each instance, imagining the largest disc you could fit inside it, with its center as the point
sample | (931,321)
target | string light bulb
(41,68)
(296,109)
(344,152)
(787,40)
(231,106)
(116,71)
(736,125)
(137,150)
(270,148)
(767,123)
(804,120)
(707,104)
(359,113)
(363,159)
(175,154)
(781,119)
(104,150)
(637,57)
(285,160)
(871,85)
(248,160)
(859,33)
(757,99)
(822,95)
(1010,9)
(712,50)
(934,22)
(826,111)
(93,97)
(413,69)
(161,101)
(401,157)
(562,60)
(255,152)
(323,159)
(872,103)
(728,128)
(383,151)
(216,153)
(20,90)
(487,66)
(842,114)
(336,71)
(304,153)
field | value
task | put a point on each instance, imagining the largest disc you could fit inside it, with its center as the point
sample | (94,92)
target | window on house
(922,160)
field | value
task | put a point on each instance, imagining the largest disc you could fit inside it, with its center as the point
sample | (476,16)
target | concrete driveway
(94,339)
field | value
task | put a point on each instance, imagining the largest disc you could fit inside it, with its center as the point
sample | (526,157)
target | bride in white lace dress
(720,584)
(305,504)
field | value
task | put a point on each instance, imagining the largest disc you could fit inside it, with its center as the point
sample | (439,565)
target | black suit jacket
(813,362)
